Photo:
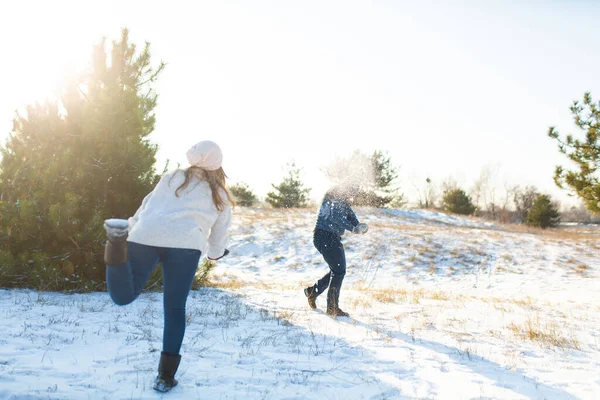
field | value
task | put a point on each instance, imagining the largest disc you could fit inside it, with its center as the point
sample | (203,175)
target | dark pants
(125,283)
(330,246)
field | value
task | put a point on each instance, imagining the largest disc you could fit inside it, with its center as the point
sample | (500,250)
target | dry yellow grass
(388,296)
(360,301)
(581,269)
(230,285)
(438,295)
(548,334)
(234,284)
(524,302)
(284,317)
(422,250)
(568,234)
(403,295)
(502,307)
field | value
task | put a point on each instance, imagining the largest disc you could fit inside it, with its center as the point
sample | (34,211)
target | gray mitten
(361,228)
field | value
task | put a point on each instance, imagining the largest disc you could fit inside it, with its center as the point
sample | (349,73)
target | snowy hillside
(442,307)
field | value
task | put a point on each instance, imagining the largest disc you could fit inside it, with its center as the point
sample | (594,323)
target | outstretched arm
(219,234)
(358,227)
(352,217)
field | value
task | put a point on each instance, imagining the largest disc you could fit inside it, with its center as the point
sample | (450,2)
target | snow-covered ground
(442,307)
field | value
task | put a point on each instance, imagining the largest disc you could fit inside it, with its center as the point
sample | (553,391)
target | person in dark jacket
(335,217)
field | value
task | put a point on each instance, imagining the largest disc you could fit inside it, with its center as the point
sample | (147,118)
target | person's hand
(361,228)
(218,258)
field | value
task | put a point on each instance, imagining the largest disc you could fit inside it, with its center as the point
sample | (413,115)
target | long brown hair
(216,181)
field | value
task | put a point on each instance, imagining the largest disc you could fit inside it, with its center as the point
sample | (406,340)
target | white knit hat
(206,155)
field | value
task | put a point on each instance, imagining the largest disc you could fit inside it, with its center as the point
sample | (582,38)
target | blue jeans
(125,283)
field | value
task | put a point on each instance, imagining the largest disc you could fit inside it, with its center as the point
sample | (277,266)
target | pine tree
(290,192)
(458,202)
(243,195)
(543,214)
(71,163)
(584,153)
(382,192)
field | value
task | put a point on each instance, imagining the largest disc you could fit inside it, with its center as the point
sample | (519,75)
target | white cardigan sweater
(190,221)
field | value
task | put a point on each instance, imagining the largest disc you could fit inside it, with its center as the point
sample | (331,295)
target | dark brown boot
(167,367)
(115,253)
(337,312)
(309,292)
(115,250)
(333,300)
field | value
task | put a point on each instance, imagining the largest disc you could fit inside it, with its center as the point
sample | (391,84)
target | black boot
(115,250)
(310,294)
(167,367)
(333,300)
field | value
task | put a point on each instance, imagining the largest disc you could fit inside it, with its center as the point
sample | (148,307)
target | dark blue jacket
(336,216)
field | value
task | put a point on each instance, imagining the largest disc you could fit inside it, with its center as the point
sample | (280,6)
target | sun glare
(44,49)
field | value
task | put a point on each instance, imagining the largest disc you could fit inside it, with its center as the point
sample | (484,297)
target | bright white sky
(446,87)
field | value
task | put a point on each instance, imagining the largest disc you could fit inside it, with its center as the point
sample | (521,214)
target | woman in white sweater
(186,215)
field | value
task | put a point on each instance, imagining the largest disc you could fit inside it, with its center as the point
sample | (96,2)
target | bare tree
(524,200)
(506,212)
(477,193)
(449,184)
(578,213)
(507,200)
(426,196)
(485,190)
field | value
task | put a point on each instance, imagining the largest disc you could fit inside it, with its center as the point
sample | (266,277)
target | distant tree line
(374,175)
(527,205)
(517,205)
